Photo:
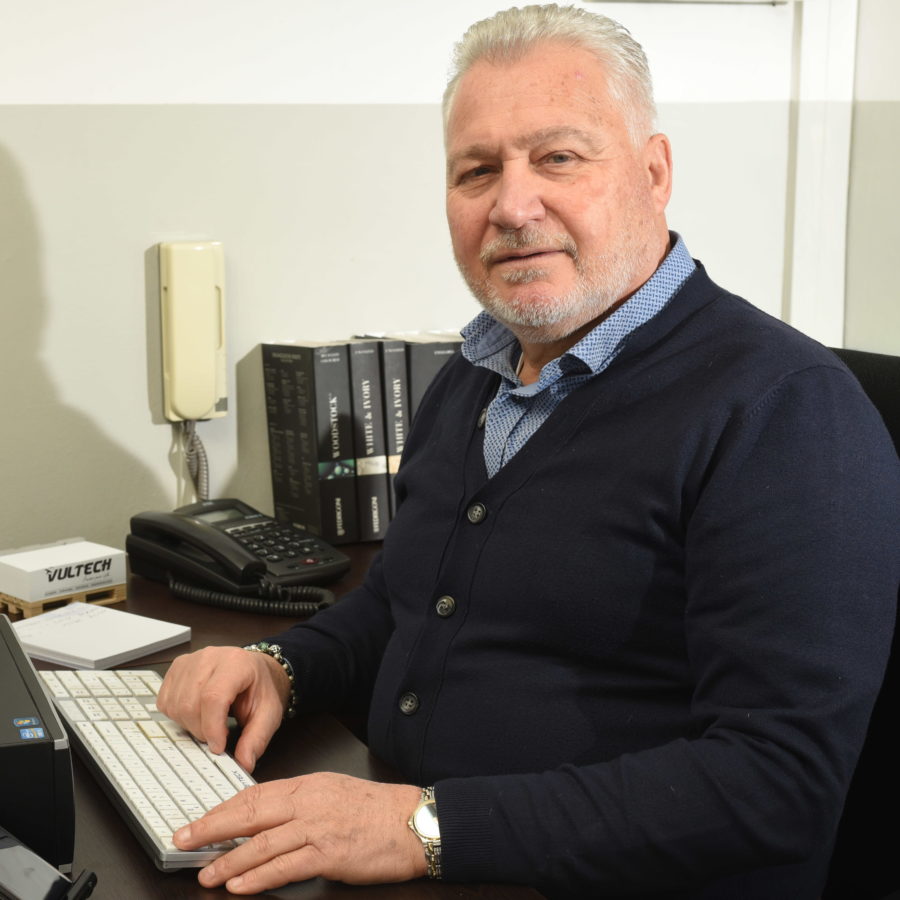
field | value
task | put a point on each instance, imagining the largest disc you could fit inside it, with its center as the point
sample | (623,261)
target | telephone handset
(225,553)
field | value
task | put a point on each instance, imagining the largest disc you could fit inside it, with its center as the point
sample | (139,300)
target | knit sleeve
(335,654)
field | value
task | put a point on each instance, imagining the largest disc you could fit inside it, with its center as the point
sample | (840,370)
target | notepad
(85,636)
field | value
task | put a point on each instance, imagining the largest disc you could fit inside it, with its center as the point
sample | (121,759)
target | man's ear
(658,165)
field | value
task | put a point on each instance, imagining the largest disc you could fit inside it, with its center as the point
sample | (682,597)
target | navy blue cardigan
(640,660)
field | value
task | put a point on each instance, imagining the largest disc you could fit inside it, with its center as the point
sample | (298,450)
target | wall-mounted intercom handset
(225,553)
(192,314)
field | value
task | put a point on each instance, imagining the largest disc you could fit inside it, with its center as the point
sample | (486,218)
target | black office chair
(866,860)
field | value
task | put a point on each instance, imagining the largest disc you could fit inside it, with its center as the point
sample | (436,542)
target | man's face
(554,213)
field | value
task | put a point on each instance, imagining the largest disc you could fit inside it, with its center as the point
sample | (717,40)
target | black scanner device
(37,802)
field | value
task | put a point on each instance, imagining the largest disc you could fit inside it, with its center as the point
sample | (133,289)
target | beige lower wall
(873,235)
(873,245)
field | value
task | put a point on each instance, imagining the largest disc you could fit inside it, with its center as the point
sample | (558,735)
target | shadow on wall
(60,475)
(251,480)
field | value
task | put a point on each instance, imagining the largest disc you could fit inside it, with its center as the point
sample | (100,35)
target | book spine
(395,387)
(335,460)
(372,484)
(290,417)
(424,360)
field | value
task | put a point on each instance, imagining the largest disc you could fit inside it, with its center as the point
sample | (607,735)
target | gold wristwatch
(424,823)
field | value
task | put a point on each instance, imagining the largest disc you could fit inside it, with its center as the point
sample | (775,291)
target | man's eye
(475,172)
(557,159)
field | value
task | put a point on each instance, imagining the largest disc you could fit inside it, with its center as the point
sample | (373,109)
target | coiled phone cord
(274,600)
(195,458)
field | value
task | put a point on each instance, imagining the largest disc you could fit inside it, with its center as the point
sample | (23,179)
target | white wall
(345,51)
(316,159)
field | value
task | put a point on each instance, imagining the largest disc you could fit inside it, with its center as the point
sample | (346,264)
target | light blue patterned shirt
(517,410)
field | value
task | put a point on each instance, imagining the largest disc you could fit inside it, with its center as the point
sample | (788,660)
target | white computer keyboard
(157,775)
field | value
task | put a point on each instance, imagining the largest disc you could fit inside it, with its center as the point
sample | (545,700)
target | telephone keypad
(281,544)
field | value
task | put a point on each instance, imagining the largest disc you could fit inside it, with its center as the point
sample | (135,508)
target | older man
(629,623)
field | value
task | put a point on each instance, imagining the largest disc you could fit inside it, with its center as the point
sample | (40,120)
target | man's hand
(201,689)
(336,826)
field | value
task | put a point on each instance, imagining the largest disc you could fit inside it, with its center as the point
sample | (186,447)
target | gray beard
(601,283)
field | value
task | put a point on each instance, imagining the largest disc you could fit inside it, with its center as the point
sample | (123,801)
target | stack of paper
(85,636)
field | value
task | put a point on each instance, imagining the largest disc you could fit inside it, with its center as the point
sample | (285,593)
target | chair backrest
(879,375)
(866,860)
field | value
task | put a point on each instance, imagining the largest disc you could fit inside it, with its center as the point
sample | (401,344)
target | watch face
(426,821)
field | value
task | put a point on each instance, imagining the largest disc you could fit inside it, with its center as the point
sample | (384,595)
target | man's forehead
(551,91)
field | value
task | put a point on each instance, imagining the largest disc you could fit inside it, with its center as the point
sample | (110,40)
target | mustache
(527,239)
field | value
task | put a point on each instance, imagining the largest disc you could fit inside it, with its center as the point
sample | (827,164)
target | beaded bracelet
(274,650)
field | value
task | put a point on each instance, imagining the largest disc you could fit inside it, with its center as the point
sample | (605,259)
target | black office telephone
(225,553)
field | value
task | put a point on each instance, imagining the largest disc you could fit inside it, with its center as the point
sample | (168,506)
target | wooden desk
(307,744)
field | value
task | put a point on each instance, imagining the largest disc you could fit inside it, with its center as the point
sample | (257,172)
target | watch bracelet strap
(432,848)
(433,859)
(274,650)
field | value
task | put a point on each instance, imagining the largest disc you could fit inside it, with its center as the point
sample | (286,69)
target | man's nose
(518,200)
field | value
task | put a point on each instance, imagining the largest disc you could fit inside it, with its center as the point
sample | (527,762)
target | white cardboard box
(57,570)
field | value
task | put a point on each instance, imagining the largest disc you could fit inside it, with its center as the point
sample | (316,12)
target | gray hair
(510,34)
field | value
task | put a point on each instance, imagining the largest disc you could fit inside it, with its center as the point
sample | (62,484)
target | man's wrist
(273,651)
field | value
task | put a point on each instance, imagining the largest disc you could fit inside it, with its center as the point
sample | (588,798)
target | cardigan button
(445,607)
(409,704)
(476,513)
